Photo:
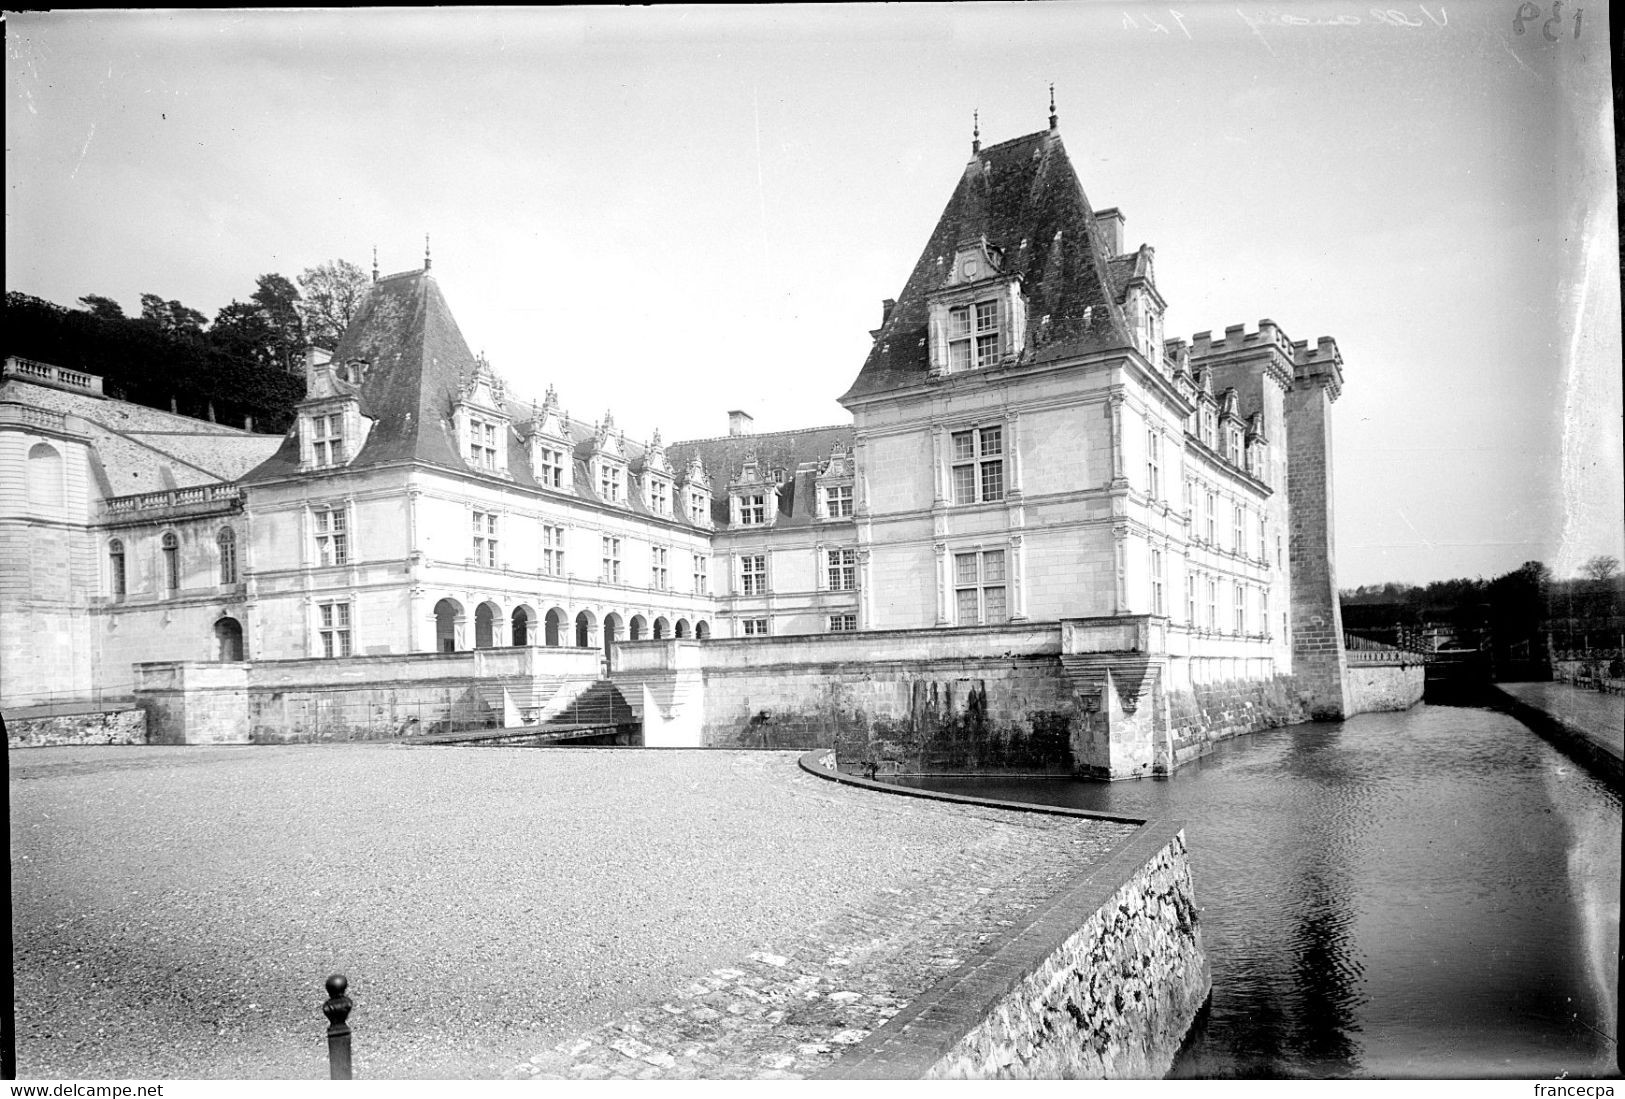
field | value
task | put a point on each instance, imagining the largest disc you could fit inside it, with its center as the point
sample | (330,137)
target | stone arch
(662,629)
(637,629)
(555,628)
(702,630)
(486,617)
(448,625)
(586,630)
(682,629)
(612,631)
(228,637)
(524,626)
(44,476)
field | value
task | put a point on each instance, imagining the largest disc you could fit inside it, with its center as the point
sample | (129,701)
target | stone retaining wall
(1103,983)
(112,727)
(1378,688)
(1209,713)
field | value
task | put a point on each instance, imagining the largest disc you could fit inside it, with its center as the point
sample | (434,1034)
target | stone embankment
(65,730)
(1587,725)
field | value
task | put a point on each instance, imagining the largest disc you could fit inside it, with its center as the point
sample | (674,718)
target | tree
(98,306)
(332,294)
(1601,567)
(172,318)
(241,331)
(278,303)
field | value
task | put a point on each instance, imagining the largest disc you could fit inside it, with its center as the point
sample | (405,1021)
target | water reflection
(1433,893)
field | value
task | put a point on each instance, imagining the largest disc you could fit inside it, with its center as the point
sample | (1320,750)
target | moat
(1432,893)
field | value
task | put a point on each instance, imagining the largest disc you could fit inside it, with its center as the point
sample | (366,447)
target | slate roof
(416,360)
(790,451)
(1026,198)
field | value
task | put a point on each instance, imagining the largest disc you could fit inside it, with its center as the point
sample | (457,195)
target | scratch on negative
(1507,46)
(83,150)
(1254,28)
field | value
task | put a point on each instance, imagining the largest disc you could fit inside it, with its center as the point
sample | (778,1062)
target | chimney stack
(739,423)
(1110,223)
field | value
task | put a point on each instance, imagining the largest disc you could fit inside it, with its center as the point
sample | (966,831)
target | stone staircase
(600,706)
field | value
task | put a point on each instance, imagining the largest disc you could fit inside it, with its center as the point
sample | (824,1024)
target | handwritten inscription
(1552,28)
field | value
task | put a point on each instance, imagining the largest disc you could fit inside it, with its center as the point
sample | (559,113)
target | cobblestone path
(787,1012)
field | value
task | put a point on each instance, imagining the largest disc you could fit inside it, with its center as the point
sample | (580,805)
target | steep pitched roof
(789,451)
(1026,198)
(416,358)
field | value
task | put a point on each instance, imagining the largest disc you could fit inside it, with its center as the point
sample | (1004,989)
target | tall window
(1235,528)
(172,561)
(1264,609)
(843,569)
(611,572)
(1212,507)
(1190,496)
(978,465)
(610,483)
(659,496)
(1156,581)
(843,623)
(115,567)
(979,593)
(1212,603)
(697,507)
(1241,608)
(228,555)
(334,628)
(753,574)
(553,550)
(702,575)
(485,539)
(838,501)
(332,536)
(752,510)
(973,335)
(659,577)
(552,468)
(1153,464)
(1263,538)
(482,444)
(328,443)
(1190,599)
(755,627)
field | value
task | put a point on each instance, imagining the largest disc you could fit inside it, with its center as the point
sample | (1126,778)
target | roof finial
(975,132)
(374,263)
(425,251)
(1053,121)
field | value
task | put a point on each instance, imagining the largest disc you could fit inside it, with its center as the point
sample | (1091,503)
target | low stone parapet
(102,727)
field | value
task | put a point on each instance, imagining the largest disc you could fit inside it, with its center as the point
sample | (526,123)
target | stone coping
(1570,732)
(812,763)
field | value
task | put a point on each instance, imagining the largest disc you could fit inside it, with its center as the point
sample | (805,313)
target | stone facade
(1026,449)
(1376,688)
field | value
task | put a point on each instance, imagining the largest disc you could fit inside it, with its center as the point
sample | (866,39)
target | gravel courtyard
(175,910)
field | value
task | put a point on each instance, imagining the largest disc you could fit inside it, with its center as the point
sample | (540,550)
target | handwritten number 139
(1528,11)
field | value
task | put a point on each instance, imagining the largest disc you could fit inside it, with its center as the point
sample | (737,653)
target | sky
(674,212)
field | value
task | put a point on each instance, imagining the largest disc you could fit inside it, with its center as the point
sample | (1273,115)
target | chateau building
(1100,529)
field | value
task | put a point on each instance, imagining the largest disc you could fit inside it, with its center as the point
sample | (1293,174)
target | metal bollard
(337,1009)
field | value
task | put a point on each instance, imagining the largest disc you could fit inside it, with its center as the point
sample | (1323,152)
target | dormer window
(550,471)
(973,335)
(482,443)
(752,510)
(838,501)
(327,443)
(699,508)
(659,496)
(611,483)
